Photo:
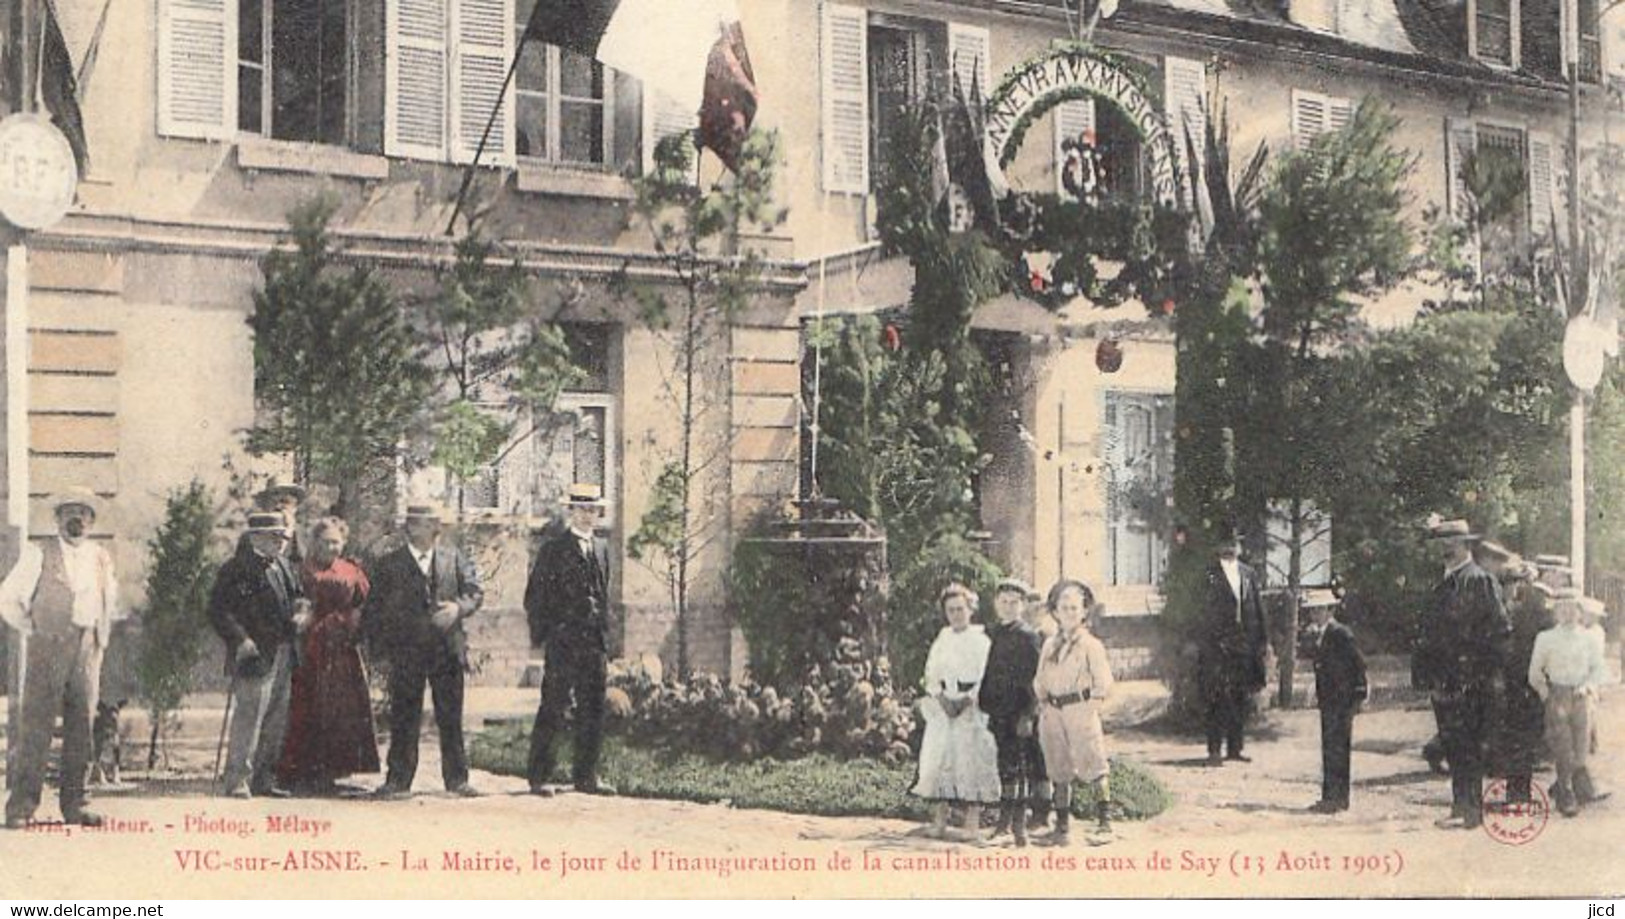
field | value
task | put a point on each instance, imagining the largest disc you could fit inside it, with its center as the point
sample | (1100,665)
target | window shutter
(1309,117)
(1072,118)
(1185,89)
(197,68)
(845,143)
(1541,185)
(1461,140)
(969,52)
(415,78)
(663,117)
(483,49)
(1339,113)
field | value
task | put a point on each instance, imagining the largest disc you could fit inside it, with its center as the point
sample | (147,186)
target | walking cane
(225,719)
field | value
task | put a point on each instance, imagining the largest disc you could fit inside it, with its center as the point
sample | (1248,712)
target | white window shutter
(1339,113)
(1309,117)
(1185,90)
(1072,118)
(845,99)
(1541,184)
(481,52)
(197,68)
(1461,141)
(969,51)
(663,117)
(416,82)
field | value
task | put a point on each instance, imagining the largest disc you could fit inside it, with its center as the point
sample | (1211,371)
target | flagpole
(490,122)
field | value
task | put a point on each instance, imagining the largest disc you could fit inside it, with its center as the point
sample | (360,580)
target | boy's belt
(1071,698)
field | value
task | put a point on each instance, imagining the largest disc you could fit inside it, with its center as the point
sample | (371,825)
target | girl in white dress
(1073,680)
(958,757)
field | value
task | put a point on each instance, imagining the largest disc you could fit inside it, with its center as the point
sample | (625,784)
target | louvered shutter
(1461,140)
(1072,118)
(1185,89)
(663,117)
(845,98)
(1541,185)
(1339,112)
(197,68)
(415,78)
(1309,117)
(969,53)
(483,48)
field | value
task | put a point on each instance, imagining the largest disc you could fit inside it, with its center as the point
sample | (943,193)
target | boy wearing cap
(1565,670)
(1340,687)
(62,595)
(567,607)
(1007,698)
(257,608)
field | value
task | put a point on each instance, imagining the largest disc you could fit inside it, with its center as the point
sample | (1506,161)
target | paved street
(1239,820)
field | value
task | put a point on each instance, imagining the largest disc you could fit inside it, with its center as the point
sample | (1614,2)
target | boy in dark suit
(421,593)
(567,606)
(1340,687)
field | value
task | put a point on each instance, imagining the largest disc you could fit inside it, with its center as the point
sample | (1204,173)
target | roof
(1424,35)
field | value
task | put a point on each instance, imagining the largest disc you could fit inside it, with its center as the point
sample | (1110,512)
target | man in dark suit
(421,593)
(1340,687)
(567,605)
(1230,656)
(1460,657)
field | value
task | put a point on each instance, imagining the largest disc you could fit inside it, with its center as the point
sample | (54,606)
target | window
(1315,541)
(1493,31)
(294,80)
(1500,181)
(1138,432)
(1314,114)
(1590,42)
(900,61)
(565,113)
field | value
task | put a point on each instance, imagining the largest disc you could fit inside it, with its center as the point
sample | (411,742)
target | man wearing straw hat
(421,593)
(567,606)
(63,595)
(1340,687)
(1460,658)
(1566,669)
(258,608)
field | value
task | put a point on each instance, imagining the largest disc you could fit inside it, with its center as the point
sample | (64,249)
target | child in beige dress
(1073,680)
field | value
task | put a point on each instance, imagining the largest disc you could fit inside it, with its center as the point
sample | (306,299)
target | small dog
(106,744)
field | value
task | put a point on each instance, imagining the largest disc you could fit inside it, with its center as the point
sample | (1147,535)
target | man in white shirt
(63,596)
(1565,671)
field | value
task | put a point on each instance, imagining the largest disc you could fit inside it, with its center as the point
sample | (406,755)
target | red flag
(730,97)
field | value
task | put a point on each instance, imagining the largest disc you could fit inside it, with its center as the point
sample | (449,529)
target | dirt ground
(1237,831)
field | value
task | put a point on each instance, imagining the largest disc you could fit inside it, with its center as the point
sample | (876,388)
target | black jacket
(567,595)
(253,598)
(1232,634)
(1012,661)
(1464,638)
(397,618)
(1339,669)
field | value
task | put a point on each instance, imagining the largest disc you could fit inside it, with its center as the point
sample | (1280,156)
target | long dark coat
(567,594)
(1232,639)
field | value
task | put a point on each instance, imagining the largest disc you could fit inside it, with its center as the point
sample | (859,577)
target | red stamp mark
(1515,823)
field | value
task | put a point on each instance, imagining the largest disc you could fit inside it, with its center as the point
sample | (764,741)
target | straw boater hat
(584,494)
(1319,596)
(1450,529)
(1014,585)
(1494,549)
(261,522)
(77,496)
(1592,606)
(424,512)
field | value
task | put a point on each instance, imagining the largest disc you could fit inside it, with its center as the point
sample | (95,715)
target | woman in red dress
(330,733)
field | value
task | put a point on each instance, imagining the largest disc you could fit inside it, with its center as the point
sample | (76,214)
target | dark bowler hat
(268,523)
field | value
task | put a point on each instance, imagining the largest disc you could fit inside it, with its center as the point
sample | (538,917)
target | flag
(58,90)
(693,52)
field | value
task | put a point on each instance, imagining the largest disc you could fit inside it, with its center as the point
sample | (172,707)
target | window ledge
(547,179)
(317,159)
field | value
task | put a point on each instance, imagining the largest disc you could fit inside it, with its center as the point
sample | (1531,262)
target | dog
(107,756)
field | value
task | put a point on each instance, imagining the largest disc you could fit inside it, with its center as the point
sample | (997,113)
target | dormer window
(1492,31)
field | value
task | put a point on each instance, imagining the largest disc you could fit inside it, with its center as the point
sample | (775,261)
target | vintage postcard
(770,448)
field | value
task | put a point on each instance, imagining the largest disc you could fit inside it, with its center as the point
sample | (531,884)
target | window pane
(483,491)
(581,138)
(532,74)
(589,446)
(249,94)
(589,350)
(1495,39)
(531,127)
(581,77)
(308,70)
(250,34)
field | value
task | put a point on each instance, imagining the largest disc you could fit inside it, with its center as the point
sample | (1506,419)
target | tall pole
(1577,282)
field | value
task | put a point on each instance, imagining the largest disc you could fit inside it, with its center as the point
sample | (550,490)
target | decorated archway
(1026,93)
